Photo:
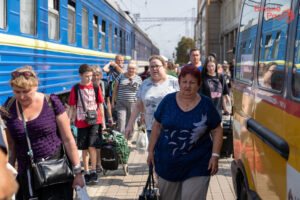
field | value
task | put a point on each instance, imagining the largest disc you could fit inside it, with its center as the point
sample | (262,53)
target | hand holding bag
(142,139)
(149,192)
(90,115)
(49,171)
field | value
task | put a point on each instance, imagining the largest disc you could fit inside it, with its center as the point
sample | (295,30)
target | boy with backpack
(86,112)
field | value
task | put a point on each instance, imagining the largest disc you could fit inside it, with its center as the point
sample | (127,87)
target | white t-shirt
(152,93)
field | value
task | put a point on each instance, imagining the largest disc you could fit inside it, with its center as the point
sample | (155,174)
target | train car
(56,36)
(142,47)
(266,96)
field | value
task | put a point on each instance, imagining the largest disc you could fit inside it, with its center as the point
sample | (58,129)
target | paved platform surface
(114,185)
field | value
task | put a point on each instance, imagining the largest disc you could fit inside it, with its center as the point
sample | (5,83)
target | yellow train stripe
(19,41)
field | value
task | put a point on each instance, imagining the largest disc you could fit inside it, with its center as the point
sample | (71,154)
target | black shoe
(94,178)
(87,178)
(99,170)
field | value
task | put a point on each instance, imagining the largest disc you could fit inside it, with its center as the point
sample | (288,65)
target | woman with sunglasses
(42,121)
(151,92)
(124,93)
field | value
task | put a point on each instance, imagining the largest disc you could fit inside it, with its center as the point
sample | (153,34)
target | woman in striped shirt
(124,93)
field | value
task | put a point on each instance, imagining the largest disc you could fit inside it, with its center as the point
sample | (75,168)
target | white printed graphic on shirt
(183,141)
(88,96)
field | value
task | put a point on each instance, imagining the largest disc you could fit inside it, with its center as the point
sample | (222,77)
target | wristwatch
(215,155)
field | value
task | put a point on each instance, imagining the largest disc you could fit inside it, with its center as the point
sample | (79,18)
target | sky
(165,35)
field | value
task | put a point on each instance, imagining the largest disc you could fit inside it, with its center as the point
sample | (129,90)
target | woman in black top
(214,85)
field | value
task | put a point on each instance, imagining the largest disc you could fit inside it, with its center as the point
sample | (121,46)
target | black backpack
(95,86)
(109,157)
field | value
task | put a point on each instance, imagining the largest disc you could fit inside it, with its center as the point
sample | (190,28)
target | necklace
(187,105)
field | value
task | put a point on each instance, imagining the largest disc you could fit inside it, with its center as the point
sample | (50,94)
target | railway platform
(114,185)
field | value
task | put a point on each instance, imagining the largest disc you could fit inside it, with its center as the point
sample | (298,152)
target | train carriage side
(55,37)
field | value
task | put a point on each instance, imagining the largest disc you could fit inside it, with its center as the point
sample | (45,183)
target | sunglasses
(26,74)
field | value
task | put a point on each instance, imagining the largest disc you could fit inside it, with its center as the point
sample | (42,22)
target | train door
(243,98)
(268,123)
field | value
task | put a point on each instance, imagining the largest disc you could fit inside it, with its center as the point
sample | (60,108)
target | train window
(267,46)
(273,45)
(276,46)
(3,14)
(28,16)
(248,30)
(53,19)
(296,67)
(95,32)
(103,35)
(85,28)
(121,41)
(116,39)
(110,35)
(71,22)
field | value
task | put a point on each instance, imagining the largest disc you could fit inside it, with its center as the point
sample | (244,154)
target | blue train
(56,36)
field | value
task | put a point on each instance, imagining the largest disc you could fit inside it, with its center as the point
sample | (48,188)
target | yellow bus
(266,101)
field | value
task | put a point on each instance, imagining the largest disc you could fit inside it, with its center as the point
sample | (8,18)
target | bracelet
(215,155)
(77,172)
(110,118)
(76,167)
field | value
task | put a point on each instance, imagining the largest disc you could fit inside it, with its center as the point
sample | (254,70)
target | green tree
(183,48)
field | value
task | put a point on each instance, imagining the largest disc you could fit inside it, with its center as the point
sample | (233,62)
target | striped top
(127,88)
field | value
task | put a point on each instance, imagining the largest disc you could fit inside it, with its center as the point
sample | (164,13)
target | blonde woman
(42,122)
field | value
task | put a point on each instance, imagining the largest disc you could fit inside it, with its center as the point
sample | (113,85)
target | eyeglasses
(26,74)
(155,66)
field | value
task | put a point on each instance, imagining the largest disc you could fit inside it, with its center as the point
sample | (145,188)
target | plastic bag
(82,193)
(142,139)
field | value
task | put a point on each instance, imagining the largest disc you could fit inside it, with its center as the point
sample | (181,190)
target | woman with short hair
(124,94)
(185,141)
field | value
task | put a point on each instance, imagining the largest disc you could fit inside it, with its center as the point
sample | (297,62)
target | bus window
(28,16)
(71,22)
(273,46)
(247,31)
(53,19)
(85,28)
(2,14)
(296,67)
(95,32)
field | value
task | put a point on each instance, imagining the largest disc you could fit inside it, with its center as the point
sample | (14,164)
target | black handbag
(90,115)
(149,192)
(49,171)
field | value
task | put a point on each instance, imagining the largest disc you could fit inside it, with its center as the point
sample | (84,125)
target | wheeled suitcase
(114,151)
(227,147)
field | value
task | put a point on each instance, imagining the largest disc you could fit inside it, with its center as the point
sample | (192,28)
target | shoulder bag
(46,172)
(90,115)
(149,192)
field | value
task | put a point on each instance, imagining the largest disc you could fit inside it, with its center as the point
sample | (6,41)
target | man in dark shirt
(8,184)
(114,68)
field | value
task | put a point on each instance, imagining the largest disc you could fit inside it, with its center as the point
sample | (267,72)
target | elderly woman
(186,140)
(124,92)
(151,92)
(42,122)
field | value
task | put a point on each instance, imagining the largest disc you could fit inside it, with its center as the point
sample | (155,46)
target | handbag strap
(30,152)
(83,105)
(150,180)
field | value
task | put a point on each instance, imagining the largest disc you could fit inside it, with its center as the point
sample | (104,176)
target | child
(87,138)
